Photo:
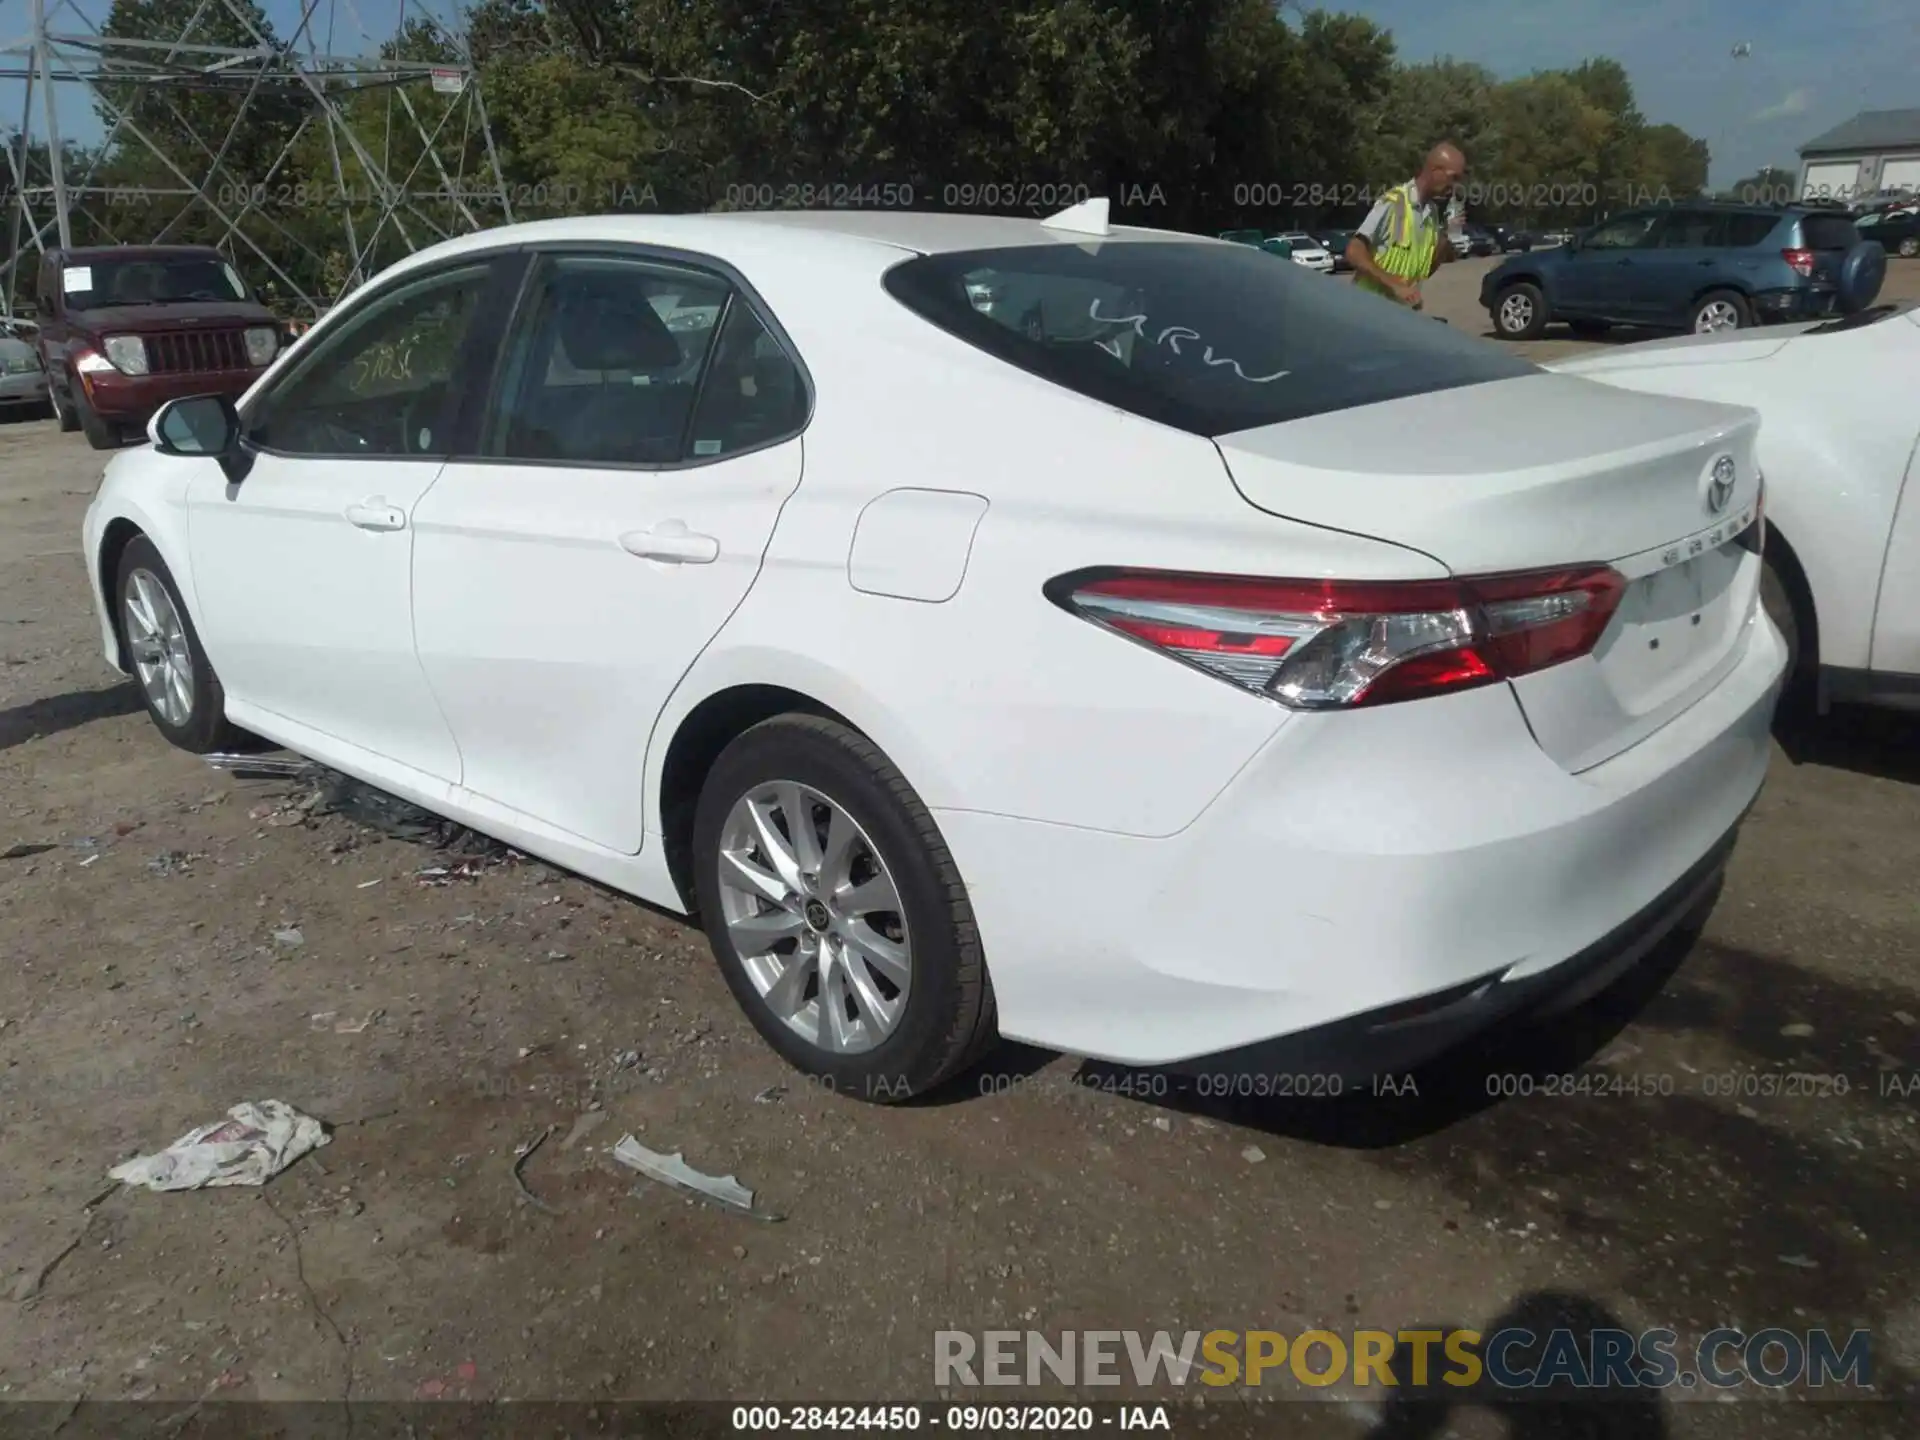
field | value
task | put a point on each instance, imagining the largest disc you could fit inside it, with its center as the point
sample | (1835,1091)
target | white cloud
(1796,102)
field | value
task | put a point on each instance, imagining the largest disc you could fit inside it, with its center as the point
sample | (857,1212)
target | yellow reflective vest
(1412,239)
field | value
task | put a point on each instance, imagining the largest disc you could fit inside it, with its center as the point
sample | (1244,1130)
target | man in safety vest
(1402,238)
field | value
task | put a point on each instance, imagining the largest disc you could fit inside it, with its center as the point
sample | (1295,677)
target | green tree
(1552,138)
(1422,105)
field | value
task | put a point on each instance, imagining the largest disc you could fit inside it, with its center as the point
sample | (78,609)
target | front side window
(381,383)
(1625,233)
(604,362)
(1207,338)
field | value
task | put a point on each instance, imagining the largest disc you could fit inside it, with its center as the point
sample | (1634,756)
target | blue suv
(1689,267)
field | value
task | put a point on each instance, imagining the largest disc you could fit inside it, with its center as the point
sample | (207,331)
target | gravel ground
(177,941)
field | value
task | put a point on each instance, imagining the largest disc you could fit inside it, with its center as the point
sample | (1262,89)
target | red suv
(126,328)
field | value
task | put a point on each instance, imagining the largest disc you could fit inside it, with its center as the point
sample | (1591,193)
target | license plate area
(1675,625)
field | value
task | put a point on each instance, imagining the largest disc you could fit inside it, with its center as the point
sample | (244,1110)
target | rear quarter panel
(996,700)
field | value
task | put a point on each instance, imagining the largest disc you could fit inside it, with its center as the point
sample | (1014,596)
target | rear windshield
(1209,339)
(1828,232)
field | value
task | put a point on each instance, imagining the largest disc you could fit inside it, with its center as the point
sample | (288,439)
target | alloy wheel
(1718,315)
(157,641)
(815,916)
(1516,313)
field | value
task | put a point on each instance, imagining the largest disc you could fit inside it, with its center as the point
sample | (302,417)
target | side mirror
(203,425)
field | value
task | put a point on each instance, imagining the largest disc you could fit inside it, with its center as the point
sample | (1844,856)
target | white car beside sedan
(1191,665)
(1839,445)
(1308,251)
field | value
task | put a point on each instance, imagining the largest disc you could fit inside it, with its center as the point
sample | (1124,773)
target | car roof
(872,238)
(138,252)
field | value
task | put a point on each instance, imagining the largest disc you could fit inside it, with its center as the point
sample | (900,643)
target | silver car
(23,379)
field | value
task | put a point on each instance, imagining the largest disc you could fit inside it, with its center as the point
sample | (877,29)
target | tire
(1589,329)
(68,418)
(1724,304)
(1519,312)
(100,434)
(943,1017)
(203,728)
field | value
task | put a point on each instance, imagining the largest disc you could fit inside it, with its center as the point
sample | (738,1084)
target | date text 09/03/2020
(952,1419)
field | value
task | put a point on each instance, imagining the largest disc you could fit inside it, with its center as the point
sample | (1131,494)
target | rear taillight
(1800,260)
(1329,644)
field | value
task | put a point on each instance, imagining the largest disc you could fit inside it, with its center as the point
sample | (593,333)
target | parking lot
(1730,1137)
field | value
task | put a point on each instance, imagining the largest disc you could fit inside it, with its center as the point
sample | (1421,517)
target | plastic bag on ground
(251,1146)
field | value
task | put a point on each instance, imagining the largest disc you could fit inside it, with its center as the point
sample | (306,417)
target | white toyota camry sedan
(1195,665)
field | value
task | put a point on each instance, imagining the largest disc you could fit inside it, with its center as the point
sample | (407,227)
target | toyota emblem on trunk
(1720,485)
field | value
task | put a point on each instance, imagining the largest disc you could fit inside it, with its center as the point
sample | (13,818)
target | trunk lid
(1544,471)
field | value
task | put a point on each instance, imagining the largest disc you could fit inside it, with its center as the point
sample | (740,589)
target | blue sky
(1812,66)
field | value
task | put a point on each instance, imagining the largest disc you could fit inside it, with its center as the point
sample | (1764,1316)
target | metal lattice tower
(437,196)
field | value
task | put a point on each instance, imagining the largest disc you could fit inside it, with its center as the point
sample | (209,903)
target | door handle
(671,541)
(376,514)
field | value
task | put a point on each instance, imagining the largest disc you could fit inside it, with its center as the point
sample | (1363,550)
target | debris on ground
(290,937)
(21,850)
(265,767)
(330,1020)
(1253,1154)
(319,791)
(772,1095)
(521,1156)
(672,1170)
(251,1146)
(173,862)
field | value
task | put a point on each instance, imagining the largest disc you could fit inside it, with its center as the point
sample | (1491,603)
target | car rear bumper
(1429,853)
(131,399)
(23,390)
(1794,303)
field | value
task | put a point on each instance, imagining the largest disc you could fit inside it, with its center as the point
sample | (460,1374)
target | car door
(642,433)
(303,570)
(1679,260)
(1597,274)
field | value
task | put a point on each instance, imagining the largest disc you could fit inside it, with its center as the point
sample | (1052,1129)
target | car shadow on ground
(53,714)
(1398,1109)
(1415,1411)
(1882,744)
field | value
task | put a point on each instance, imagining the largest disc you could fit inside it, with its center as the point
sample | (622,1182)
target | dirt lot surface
(174,941)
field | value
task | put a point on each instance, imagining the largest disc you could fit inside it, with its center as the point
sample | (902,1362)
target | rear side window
(1828,232)
(1207,338)
(1690,230)
(1743,231)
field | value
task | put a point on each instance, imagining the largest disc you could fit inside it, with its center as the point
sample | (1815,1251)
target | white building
(1876,151)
